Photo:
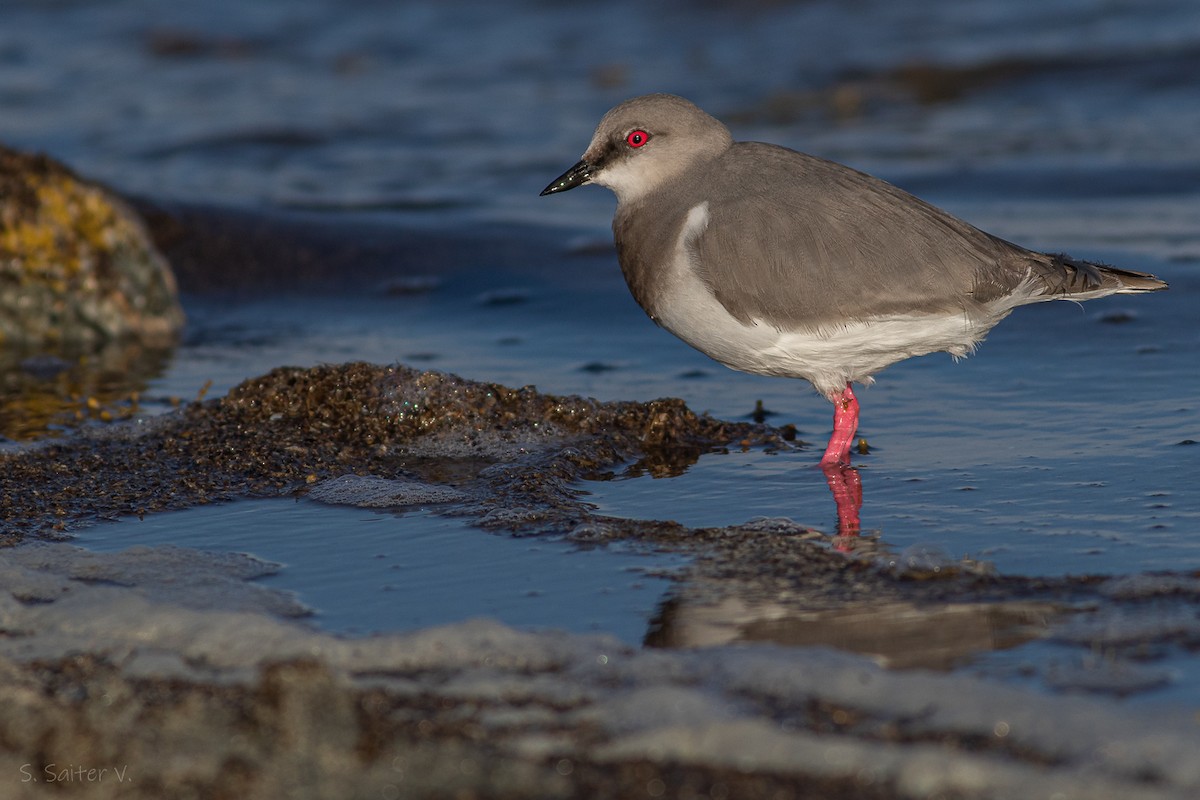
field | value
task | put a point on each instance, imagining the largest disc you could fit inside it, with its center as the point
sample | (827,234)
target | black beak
(577,175)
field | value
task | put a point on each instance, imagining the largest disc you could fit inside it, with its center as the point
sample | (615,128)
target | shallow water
(1026,519)
(1060,448)
(365,571)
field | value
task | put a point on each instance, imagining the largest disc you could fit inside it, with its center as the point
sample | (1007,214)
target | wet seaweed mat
(291,428)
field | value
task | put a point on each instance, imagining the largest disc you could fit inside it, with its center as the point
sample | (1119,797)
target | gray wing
(795,240)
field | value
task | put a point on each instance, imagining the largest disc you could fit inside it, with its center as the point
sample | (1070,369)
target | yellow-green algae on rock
(77,266)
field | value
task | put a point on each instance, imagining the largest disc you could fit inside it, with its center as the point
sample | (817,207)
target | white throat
(630,178)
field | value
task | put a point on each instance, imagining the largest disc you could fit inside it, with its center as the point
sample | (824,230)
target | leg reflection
(846,486)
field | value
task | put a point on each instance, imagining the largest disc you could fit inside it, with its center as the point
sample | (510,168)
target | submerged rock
(77,267)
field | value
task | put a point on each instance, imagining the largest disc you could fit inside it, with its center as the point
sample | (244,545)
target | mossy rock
(77,266)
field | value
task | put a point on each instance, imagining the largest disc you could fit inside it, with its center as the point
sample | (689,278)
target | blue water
(460,111)
(1070,125)
(365,571)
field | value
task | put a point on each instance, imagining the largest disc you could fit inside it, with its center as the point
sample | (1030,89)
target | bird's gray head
(643,143)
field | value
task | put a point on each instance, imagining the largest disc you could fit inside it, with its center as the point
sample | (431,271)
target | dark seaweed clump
(292,427)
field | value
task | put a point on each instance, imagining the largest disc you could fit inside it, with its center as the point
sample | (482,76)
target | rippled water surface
(467,109)
(1065,446)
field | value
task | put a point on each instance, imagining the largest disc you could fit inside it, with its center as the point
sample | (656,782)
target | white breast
(829,357)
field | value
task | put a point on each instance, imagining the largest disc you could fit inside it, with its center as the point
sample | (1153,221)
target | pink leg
(845,424)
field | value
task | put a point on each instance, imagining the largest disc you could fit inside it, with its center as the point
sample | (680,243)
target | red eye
(637,138)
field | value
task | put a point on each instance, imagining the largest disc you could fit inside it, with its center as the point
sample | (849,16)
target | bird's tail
(1073,279)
